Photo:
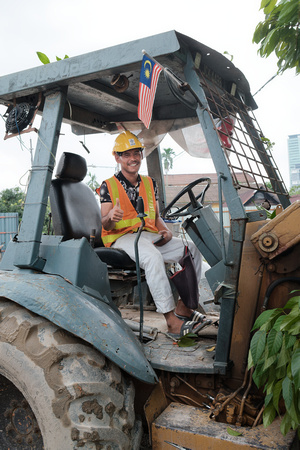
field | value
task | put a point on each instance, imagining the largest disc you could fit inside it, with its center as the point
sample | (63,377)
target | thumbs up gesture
(116,213)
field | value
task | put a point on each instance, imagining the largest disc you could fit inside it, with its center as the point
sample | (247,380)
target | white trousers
(152,259)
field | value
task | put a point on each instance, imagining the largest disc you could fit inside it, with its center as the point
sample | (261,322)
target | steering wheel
(195,201)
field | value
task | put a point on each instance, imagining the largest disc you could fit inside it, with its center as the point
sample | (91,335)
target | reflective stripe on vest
(130,222)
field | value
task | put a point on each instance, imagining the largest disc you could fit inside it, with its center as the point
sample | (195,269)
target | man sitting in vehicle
(118,196)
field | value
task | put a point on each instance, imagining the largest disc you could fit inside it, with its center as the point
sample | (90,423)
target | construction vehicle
(74,374)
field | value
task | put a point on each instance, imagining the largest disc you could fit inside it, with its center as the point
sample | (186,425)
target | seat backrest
(75,210)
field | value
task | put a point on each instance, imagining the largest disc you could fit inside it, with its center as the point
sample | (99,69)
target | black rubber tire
(79,398)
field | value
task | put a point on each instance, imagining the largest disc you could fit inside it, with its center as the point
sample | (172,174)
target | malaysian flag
(148,81)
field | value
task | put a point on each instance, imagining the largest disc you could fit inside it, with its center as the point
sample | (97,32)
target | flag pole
(156,62)
(164,69)
(182,84)
(169,72)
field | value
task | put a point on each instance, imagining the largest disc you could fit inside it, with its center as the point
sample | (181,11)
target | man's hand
(111,215)
(167,236)
(116,213)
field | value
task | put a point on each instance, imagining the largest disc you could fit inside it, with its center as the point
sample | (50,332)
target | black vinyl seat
(76,212)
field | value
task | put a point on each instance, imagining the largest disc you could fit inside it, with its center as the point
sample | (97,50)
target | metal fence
(9,223)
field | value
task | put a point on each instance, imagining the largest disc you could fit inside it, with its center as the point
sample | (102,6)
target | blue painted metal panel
(8,228)
(67,306)
(86,67)
(27,254)
(74,260)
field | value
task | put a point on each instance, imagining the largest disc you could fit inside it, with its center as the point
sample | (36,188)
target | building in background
(294,159)
(252,199)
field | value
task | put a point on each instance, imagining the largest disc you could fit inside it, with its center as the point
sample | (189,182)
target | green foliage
(45,60)
(233,432)
(47,221)
(295,190)
(270,214)
(188,340)
(12,201)
(92,182)
(275,354)
(267,142)
(279,33)
(168,156)
(231,56)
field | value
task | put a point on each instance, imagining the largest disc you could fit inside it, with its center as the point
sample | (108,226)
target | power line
(265,84)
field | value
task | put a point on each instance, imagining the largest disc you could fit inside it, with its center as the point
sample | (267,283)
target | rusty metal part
(155,405)
(268,242)
(286,262)
(240,416)
(18,425)
(187,389)
(288,220)
(247,163)
(271,267)
(192,428)
(22,427)
(230,407)
(258,418)
(120,82)
(231,413)
(250,279)
(176,382)
(226,399)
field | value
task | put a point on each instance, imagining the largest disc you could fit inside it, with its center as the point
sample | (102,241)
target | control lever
(141,215)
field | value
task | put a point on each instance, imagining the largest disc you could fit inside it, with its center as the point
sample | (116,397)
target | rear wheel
(57,392)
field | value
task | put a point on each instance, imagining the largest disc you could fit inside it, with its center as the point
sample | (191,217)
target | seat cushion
(115,257)
(75,210)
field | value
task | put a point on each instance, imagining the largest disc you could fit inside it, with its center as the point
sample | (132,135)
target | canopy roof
(94,105)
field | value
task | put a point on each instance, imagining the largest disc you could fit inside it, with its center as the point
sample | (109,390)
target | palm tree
(167,156)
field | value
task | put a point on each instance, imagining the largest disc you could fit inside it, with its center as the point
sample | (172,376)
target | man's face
(130,161)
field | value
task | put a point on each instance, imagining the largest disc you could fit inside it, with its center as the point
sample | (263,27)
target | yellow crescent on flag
(147,69)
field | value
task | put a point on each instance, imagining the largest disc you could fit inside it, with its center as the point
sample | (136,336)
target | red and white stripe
(146,97)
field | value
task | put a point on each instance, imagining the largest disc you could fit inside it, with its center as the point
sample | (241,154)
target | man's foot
(178,327)
(184,313)
(189,327)
(194,317)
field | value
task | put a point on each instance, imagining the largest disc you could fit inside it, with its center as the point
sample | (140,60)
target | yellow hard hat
(126,141)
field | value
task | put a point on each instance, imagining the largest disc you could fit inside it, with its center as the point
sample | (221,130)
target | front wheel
(57,392)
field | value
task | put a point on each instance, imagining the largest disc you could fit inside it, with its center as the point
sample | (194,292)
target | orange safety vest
(130,222)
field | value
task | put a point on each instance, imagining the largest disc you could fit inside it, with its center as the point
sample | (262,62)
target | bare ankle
(182,310)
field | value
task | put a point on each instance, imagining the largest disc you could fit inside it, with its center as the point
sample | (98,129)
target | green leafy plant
(233,432)
(189,340)
(279,33)
(270,214)
(275,354)
(230,56)
(295,190)
(269,144)
(45,60)
(92,181)
(13,199)
(168,157)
